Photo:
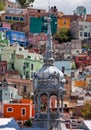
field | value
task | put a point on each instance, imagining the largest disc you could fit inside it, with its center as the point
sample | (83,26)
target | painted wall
(17,108)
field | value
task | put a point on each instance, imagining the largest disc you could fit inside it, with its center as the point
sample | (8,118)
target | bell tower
(48,84)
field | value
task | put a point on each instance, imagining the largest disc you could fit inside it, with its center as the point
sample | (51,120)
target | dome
(48,70)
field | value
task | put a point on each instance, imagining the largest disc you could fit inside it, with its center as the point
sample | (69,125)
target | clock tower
(48,84)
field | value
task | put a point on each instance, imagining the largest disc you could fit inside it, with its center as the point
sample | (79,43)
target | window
(81,33)
(6,17)
(15,86)
(23,111)
(24,89)
(88,34)
(20,49)
(81,28)
(64,22)
(27,74)
(85,26)
(11,56)
(10,17)
(14,18)
(85,34)
(32,74)
(9,109)
(26,64)
(39,10)
(6,94)
(31,66)
(72,74)
(11,95)
(29,56)
(21,19)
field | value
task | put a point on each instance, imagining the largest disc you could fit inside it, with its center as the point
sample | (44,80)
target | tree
(24,3)
(2,5)
(63,35)
(86,110)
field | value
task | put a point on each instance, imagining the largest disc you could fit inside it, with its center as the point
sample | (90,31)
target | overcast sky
(66,6)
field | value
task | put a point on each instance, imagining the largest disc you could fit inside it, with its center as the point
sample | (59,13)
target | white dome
(46,71)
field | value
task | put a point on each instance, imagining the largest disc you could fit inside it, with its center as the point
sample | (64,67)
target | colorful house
(22,60)
(64,22)
(4,41)
(8,92)
(17,37)
(9,37)
(21,111)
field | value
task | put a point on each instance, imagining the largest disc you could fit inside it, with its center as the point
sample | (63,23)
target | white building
(81,29)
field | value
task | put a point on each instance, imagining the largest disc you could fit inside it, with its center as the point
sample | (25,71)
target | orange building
(21,111)
(80,83)
(88,17)
(63,22)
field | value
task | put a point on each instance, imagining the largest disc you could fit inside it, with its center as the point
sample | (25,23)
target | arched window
(9,109)
(44,103)
(53,103)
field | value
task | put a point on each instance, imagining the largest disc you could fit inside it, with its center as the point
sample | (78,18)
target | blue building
(10,36)
(19,37)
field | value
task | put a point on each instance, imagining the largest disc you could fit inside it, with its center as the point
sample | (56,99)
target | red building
(82,60)
(21,111)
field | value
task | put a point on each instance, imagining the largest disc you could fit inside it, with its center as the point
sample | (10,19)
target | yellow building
(64,22)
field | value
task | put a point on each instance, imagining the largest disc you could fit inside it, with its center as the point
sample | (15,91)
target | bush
(28,122)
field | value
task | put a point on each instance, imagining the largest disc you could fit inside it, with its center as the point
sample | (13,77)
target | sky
(66,6)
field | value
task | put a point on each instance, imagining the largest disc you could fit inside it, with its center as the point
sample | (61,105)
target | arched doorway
(44,102)
(53,103)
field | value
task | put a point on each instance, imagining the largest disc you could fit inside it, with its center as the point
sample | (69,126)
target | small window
(85,26)
(64,22)
(11,95)
(85,34)
(15,86)
(10,17)
(6,18)
(21,19)
(24,89)
(39,10)
(72,74)
(5,93)
(20,49)
(27,64)
(31,66)
(11,56)
(14,18)
(81,34)
(32,74)
(88,34)
(23,111)
(9,109)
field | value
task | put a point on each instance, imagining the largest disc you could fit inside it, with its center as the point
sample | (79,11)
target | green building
(39,24)
(20,59)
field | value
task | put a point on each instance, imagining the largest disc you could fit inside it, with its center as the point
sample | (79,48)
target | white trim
(21,111)
(8,108)
(30,110)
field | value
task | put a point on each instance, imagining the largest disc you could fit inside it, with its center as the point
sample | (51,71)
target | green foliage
(25,3)
(86,110)
(63,35)
(2,5)
(28,123)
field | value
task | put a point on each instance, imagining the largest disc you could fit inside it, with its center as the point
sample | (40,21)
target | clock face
(54,81)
